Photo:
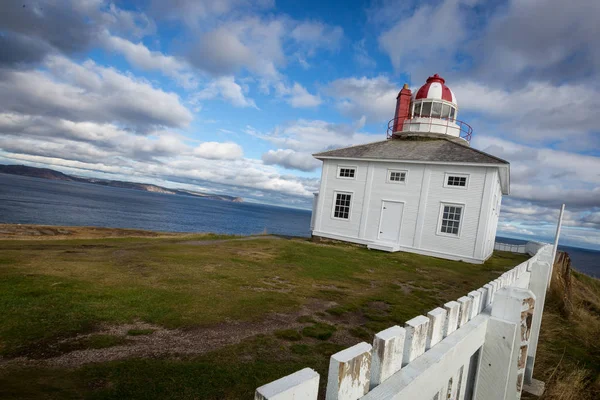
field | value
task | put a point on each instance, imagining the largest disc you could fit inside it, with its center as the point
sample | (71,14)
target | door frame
(383,201)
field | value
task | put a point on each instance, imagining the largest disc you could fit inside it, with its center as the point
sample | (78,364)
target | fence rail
(481,346)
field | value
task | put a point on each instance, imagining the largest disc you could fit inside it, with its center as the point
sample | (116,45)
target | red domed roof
(435,88)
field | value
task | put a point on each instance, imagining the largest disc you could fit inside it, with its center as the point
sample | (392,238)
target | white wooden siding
(422,194)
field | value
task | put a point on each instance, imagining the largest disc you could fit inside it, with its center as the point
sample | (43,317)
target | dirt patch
(212,242)
(44,232)
(169,342)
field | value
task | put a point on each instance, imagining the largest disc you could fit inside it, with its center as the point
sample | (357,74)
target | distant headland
(46,173)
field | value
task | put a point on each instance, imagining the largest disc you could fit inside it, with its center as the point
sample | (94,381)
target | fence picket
(453,310)
(437,322)
(416,338)
(301,385)
(349,373)
(388,350)
(465,310)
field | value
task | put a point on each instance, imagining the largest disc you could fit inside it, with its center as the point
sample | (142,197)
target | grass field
(202,317)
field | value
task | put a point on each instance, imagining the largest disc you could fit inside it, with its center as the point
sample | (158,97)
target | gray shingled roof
(440,150)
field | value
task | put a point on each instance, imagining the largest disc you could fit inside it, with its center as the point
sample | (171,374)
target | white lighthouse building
(422,190)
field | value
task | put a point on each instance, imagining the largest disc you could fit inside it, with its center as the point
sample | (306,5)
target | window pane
(426,109)
(445,111)
(452,112)
(436,110)
(417,110)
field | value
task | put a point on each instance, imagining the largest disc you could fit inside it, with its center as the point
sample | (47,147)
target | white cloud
(538,110)
(426,39)
(249,43)
(291,159)
(88,92)
(374,98)
(547,39)
(140,56)
(297,96)
(219,151)
(226,88)
(548,176)
(309,136)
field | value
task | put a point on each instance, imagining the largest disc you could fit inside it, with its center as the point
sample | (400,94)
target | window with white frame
(451,218)
(456,180)
(396,176)
(342,205)
(346,172)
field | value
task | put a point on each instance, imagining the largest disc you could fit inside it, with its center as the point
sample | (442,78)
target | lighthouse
(422,189)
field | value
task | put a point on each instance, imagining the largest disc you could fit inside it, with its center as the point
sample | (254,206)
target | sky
(234,96)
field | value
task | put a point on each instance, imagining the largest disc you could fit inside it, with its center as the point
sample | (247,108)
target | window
(426,109)
(342,205)
(452,112)
(451,217)
(436,110)
(456,180)
(445,111)
(396,176)
(417,112)
(346,172)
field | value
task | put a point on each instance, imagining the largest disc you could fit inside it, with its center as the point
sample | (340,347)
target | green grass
(288,334)
(319,331)
(54,290)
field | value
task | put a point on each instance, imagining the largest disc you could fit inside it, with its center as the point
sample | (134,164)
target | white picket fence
(481,346)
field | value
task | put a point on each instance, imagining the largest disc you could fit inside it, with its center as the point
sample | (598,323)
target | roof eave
(322,158)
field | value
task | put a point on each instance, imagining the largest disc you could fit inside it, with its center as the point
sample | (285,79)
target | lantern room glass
(433,109)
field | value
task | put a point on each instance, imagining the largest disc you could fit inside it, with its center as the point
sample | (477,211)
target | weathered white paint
(301,385)
(453,309)
(539,276)
(420,197)
(465,310)
(505,332)
(349,373)
(475,300)
(505,349)
(416,380)
(416,338)
(388,350)
(437,323)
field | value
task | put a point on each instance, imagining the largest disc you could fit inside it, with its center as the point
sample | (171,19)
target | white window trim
(449,174)
(389,172)
(335,193)
(441,214)
(339,167)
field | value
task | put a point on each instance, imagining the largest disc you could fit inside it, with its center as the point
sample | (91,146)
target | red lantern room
(432,111)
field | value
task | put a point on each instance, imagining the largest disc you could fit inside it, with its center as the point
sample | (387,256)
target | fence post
(349,373)
(504,352)
(538,285)
(301,385)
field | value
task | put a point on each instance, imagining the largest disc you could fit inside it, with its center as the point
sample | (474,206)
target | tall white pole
(560,217)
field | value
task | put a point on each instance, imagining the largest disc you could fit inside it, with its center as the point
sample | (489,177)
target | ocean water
(583,260)
(25,200)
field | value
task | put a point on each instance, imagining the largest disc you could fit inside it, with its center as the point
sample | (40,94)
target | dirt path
(169,342)
(241,239)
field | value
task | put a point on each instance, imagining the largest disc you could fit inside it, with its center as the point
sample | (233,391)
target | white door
(391,219)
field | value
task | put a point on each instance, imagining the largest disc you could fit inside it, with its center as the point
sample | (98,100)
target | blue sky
(234,96)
